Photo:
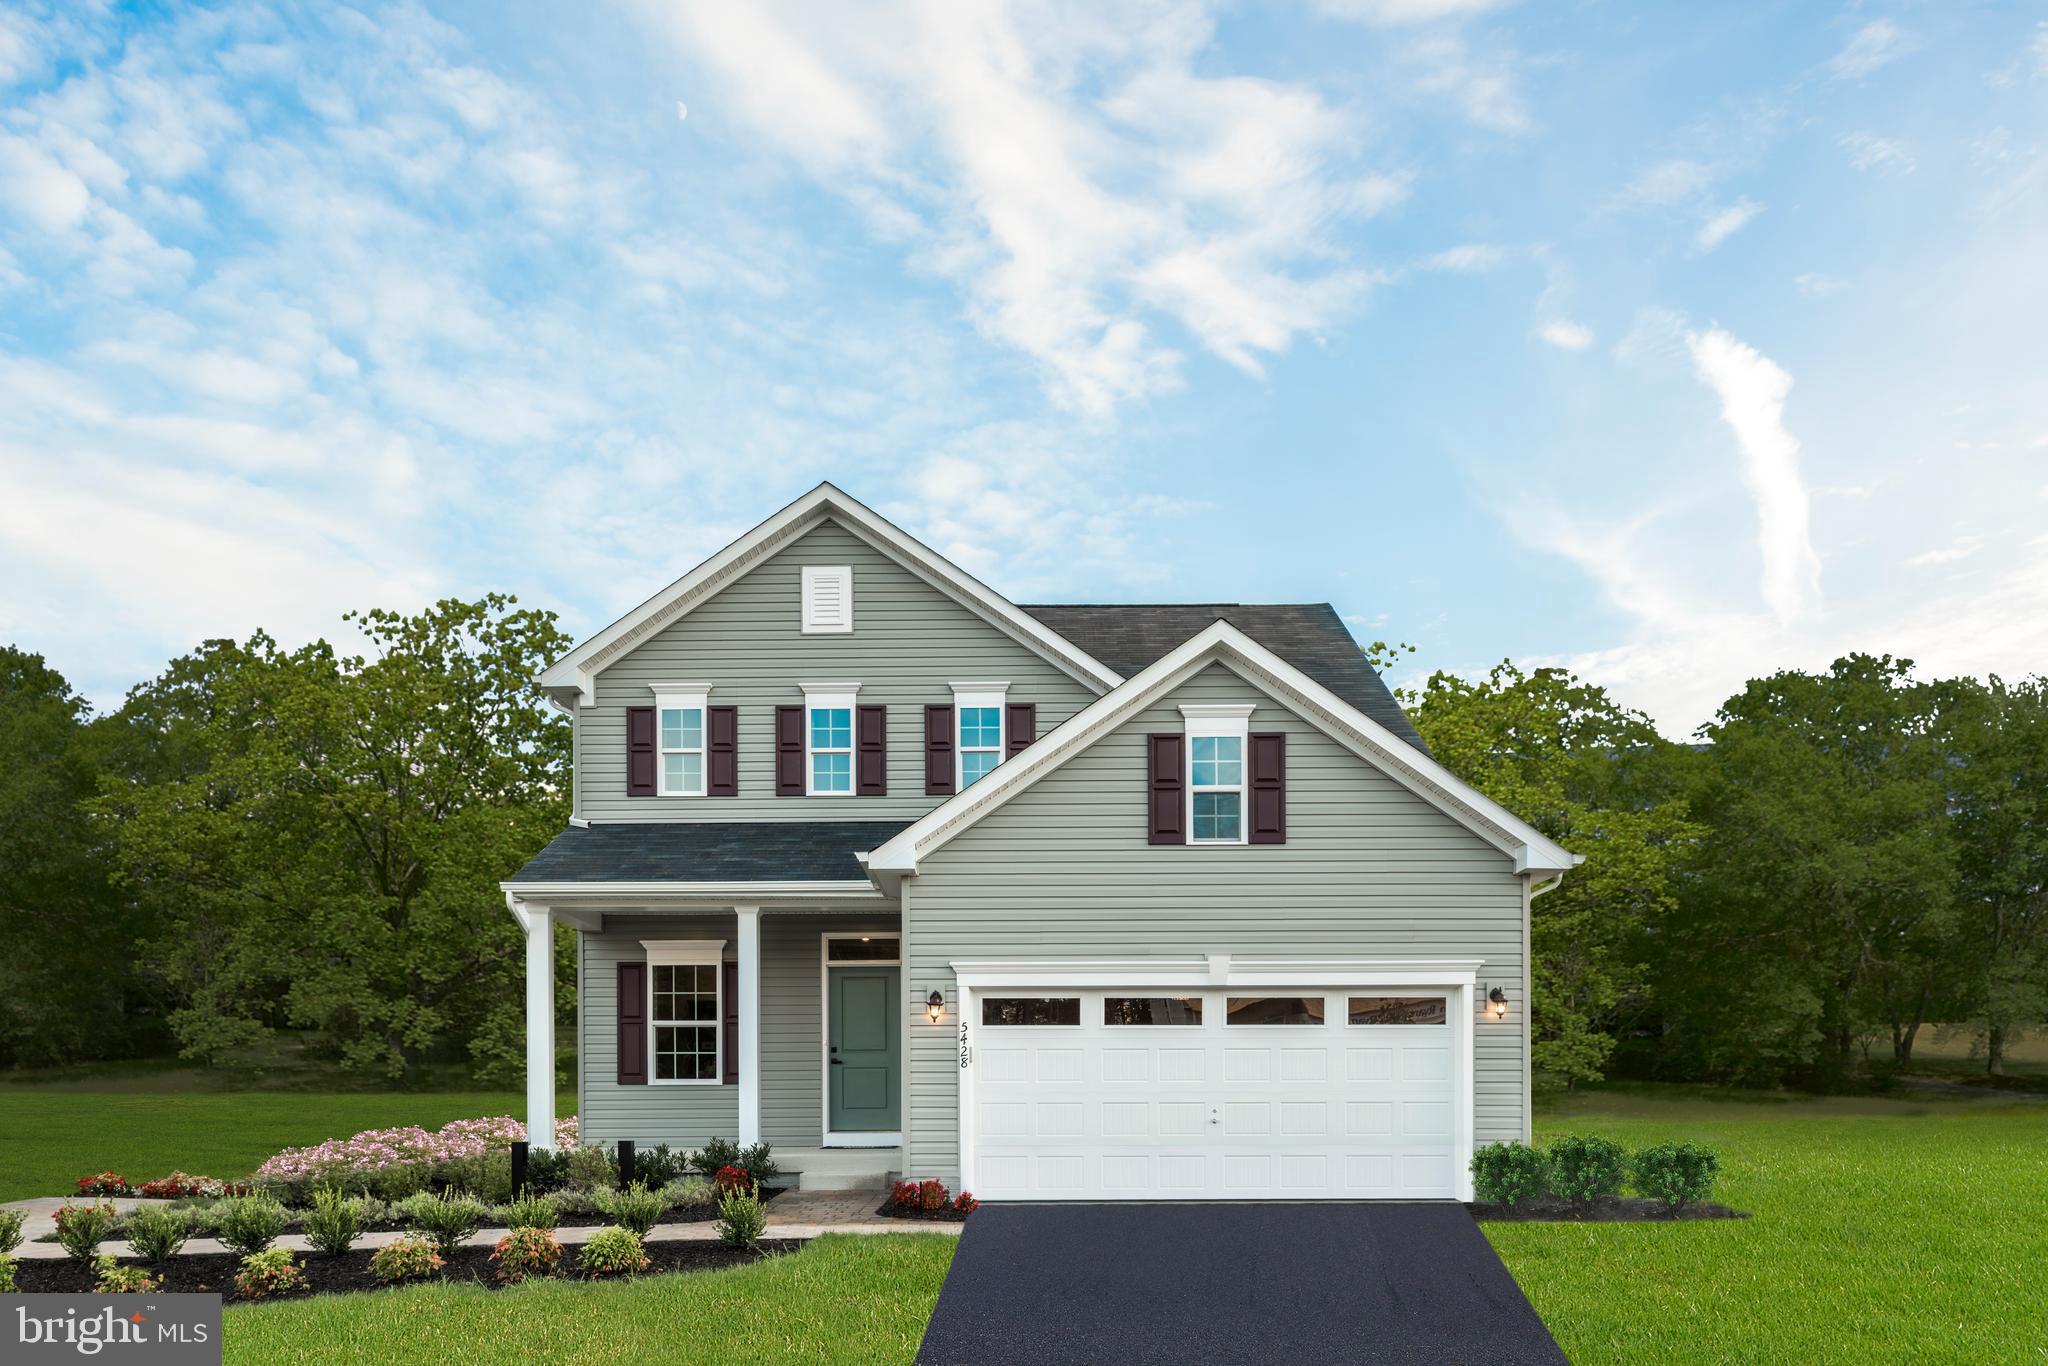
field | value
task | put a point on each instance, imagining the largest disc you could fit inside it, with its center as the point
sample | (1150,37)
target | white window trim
(683,695)
(833,695)
(1206,719)
(967,695)
(688,953)
(812,627)
(829,1137)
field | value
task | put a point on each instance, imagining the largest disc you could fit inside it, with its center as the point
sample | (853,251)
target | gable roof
(574,675)
(1308,635)
(1221,642)
(705,851)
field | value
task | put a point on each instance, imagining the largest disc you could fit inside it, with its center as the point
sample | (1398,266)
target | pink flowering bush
(393,1163)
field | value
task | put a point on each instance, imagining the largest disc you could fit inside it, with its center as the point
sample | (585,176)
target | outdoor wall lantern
(935,1005)
(1497,1002)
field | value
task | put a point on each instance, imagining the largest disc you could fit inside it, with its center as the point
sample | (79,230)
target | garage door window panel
(1275,1010)
(1008,1011)
(1152,1010)
(1397,1010)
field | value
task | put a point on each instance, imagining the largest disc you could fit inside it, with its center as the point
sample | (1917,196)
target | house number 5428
(963,1045)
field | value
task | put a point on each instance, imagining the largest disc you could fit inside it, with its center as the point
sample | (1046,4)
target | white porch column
(749,1013)
(539,923)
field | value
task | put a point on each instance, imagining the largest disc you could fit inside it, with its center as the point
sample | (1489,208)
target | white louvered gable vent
(828,598)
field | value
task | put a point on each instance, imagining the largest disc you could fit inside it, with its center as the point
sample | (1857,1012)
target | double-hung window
(685,1021)
(978,712)
(828,739)
(1216,764)
(679,728)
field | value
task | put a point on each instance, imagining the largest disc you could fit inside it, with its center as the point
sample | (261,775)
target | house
(1048,902)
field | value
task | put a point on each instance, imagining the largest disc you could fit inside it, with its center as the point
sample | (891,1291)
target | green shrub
(592,1169)
(407,1259)
(760,1166)
(6,1274)
(269,1272)
(397,1183)
(157,1232)
(82,1228)
(11,1221)
(1584,1168)
(636,1207)
(529,1211)
(547,1169)
(657,1166)
(740,1219)
(335,1221)
(527,1252)
(487,1177)
(1509,1173)
(111,1278)
(573,1205)
(612,1252)
(719,1152)
(446,1219)
(1676,1173)
(251,1223)
(688,1192)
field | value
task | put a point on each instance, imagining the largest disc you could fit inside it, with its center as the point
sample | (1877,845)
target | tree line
(264,841)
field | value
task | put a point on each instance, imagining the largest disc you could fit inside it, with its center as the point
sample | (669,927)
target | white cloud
(1668,182)
(1878,43)
(1752,389)
(1868,152)
(1815,285)
(1725,223)
(39,189)
(1566,335)
(1090,187)
(1482,85)
(1397,12)
(1470,258)
(1961,548)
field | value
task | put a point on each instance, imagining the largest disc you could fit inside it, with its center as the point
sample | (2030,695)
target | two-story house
(1049,902)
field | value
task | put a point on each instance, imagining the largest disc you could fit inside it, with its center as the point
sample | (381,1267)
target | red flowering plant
(906,1196)
(105,1183)
(931,1195)
(181,1185)
(732,1180)
(965,1203)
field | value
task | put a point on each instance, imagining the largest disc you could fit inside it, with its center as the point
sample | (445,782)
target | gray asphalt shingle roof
(1308,635)
(709,851)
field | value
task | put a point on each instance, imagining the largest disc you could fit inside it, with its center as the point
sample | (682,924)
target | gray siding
(909,641)
(791,1039)
(1064,870)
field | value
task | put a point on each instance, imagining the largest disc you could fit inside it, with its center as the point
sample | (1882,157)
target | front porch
(781,1021)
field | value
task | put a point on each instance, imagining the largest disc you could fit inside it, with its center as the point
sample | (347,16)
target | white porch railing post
(540,1027)
(749,1012)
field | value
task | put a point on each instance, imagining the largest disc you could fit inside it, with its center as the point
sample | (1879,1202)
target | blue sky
(1672,343)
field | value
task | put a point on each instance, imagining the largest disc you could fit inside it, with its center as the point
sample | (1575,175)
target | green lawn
(52,1134)
(1883,1231)
(843,1298)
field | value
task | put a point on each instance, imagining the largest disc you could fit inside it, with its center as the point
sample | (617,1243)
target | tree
(329,842)
(1822,902)
(1598,779)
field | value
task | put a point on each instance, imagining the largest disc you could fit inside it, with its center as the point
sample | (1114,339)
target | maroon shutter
(632,1014)
(729,993)
(938,750)
(640,751)
(1269,788)
(789,751)
(1166,785)
(1020,726)
(871,747)
(722,751)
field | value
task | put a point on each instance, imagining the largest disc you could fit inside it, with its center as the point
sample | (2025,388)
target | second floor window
(981,741)
(1217,785)
(682,751)
(831,750)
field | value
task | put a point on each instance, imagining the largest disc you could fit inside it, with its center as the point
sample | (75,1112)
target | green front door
(862,1053)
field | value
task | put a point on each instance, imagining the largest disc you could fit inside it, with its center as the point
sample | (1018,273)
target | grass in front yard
(844,1297)
(1883,1231)
(51,1136)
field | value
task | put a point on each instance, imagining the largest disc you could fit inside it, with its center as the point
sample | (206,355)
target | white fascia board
(1197,974)
(1531,852)
(741,893)
(574,675)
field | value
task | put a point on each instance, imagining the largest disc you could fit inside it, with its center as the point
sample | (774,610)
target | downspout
(1529,894)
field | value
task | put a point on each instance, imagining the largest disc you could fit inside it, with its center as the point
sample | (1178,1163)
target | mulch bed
(201,1273)
(889,1209)
(1607,1209)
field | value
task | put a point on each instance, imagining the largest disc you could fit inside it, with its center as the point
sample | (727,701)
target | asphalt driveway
(1300,1284)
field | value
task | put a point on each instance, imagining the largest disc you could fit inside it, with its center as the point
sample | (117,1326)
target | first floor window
(684,1014)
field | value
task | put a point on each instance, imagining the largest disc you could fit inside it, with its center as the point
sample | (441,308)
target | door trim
(862,1138)
(1455,976)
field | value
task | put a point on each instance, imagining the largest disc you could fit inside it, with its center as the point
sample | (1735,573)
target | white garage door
(1272,1094)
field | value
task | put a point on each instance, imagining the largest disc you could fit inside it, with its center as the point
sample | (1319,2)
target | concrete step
(841,1169)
